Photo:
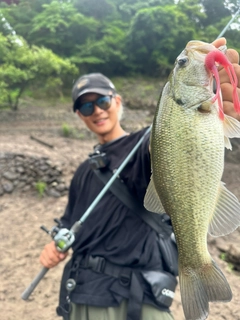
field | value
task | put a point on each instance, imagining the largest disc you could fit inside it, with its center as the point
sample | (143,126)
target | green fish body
(187,155)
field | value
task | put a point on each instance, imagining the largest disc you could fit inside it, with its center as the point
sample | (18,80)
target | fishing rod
(229,23)
(63,237)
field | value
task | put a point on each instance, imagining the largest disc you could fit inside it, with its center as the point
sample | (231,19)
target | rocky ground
(22,214)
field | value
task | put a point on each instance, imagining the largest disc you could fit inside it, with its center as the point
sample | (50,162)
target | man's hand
(226,86)
(50,257)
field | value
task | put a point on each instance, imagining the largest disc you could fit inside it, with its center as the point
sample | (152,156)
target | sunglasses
(87,108)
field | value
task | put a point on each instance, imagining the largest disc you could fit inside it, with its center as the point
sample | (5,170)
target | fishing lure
(210,63)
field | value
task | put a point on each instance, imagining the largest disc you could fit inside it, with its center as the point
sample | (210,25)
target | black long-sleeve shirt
(112,231)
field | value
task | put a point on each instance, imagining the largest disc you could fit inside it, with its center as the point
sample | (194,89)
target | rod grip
(25,295)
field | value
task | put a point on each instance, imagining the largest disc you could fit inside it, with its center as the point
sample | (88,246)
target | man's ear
(118,99)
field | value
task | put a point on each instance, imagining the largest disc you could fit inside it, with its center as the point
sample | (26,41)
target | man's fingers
(227,91)
(226,86)
(232,56)
(50,257)
(219,42)
(229,110)
(224,76)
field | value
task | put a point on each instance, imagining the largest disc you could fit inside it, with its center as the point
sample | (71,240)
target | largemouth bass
(188,138)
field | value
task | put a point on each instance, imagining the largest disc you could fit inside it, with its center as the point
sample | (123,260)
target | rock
(23,177)
(8,187)
(233,256)
(1,191)
(20,169)
(61,187)
(43,168)
(53,193)
(10,175)
(26,188)
(21,172)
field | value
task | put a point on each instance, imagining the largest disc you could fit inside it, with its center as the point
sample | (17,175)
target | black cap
(92,82)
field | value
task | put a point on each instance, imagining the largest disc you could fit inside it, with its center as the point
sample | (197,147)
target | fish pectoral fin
(226,217)
(151,199)
(199,286)
(231,128)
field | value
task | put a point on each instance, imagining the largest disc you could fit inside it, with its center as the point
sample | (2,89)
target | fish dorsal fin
(151,199)
(226,217)
(231,128)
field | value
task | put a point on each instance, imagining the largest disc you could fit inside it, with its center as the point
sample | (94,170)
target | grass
(223,256)
(40,187)
(66,130)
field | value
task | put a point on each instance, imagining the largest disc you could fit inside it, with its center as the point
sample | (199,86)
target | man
(115,248)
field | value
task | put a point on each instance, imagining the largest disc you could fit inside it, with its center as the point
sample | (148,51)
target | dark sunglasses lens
(104,102)
(86,109)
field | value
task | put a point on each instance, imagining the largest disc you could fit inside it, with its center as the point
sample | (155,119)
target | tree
(106,54)
(100,10)
(215,11)
(118,37)
(21,66)
(20,16)
(64,27)
(156,37)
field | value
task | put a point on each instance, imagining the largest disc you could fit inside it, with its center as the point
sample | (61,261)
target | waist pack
(163,286)
(161,223)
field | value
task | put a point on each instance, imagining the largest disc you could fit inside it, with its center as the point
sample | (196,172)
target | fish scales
(185,159)
(187,145)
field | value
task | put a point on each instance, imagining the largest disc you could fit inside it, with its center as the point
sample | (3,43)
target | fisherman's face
(101,122)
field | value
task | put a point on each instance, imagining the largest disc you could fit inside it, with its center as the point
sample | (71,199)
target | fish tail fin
(200,286)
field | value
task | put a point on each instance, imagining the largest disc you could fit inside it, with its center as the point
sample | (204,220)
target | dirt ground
(22,214)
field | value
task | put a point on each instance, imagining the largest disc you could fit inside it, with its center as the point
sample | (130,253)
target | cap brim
(93,90)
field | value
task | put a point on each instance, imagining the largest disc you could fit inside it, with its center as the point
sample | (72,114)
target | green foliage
(63,25)
(41,187)
(98,9)
(215,11)
(153,46)
(66,130)
(115,37)
(22,65)
(70,132)
(107,54)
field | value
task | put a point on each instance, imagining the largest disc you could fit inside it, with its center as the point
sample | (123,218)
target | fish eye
(182,61)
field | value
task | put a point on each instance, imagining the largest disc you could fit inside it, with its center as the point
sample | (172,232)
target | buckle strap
(96,263)
(124,274)
(101,265)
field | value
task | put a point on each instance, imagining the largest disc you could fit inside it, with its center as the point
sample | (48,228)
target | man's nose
(97,109)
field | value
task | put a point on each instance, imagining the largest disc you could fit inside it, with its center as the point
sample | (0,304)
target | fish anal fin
(151,199)
(226,217)
(199,286)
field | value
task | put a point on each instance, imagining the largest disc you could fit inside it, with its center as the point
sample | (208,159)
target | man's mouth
(100,121)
